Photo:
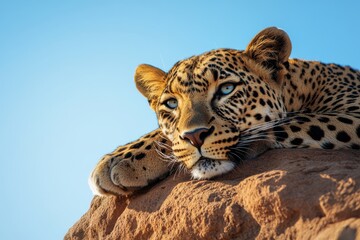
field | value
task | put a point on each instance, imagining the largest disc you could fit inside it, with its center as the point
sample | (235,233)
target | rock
(283,194)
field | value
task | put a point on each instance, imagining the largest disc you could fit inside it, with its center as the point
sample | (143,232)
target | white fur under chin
(205,169)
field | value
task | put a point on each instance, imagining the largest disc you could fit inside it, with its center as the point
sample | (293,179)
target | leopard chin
(207,168)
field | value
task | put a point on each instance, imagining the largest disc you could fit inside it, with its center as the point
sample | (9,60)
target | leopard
(219,108)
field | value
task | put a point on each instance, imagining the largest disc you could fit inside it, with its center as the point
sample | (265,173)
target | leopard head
(206,103)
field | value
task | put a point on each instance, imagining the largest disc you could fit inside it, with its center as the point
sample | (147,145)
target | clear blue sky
(66,84)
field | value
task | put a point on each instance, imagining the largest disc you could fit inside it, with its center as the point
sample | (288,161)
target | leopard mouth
(206,168)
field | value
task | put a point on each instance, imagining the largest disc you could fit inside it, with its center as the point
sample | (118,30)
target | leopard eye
(171,103)
(226,88)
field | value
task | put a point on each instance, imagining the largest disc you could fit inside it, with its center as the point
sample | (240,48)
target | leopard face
(206,102)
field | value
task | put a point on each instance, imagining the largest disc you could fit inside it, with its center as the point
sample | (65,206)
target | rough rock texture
(284,194)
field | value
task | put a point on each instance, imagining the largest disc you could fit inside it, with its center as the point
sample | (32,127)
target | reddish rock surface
(283,194)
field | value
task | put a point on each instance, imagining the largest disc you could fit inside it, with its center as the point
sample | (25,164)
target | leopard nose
(197,136)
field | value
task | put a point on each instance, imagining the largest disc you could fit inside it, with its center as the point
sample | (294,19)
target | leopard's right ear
(150,81)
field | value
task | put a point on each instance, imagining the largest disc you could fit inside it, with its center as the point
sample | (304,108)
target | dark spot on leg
(295,128)
(331,127)
(280,134)
(296,141)
(342,136)
(140,156)
(137,145)
(316,132)
(345,120)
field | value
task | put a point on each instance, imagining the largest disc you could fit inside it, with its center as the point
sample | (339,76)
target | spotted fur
(226,105)
(132,166)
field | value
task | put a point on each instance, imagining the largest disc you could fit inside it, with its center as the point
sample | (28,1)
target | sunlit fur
(273,95)
(133,166)
(276,102)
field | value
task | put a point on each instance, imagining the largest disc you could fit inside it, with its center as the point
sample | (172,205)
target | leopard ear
(150,82)
(271,48)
